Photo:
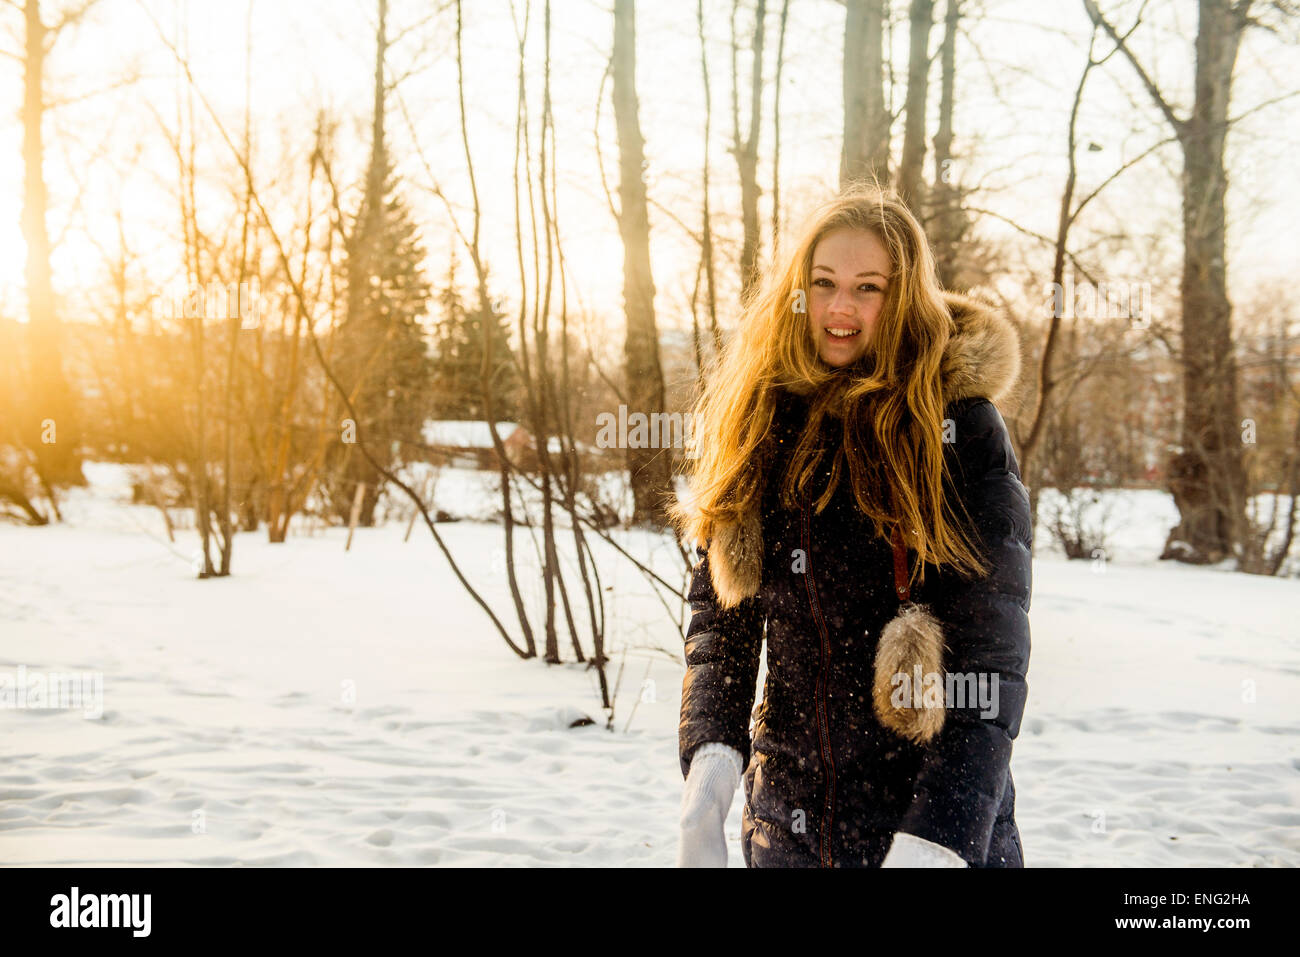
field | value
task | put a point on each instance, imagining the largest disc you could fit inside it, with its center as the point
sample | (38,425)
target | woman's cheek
(871,314)
(816,317)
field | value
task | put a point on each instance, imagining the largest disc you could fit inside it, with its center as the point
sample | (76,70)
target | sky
(1018,64)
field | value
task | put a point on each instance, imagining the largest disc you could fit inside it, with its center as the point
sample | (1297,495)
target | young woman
(856,501)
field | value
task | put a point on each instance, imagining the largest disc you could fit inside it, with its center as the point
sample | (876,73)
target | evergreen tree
(381,347)
(459,359)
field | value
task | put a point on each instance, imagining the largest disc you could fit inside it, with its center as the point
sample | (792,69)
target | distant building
(464,443)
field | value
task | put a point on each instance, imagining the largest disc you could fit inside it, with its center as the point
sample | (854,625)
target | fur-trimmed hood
(982,359)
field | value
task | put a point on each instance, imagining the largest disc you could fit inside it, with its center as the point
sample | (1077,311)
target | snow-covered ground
(330,707)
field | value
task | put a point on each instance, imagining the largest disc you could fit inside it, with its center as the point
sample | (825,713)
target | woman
(859,506)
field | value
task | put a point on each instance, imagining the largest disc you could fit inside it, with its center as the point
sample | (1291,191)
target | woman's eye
(822,280)
(870,287)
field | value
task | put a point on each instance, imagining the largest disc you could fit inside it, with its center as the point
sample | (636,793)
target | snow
(464,433)
(323,707)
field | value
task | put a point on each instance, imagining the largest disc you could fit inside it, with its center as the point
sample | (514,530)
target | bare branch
(1116,174)
(1033,235)
(1094,14)
(70,18)
(1259,106)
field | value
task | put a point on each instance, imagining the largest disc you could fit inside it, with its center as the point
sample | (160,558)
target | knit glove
(908,850)
(710,787)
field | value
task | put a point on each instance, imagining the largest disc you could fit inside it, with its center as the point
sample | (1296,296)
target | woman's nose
(841,303)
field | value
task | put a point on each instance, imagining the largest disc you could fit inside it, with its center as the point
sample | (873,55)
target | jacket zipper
(823,726)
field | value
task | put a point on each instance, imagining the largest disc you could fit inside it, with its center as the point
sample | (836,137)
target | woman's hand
(706,798)
(908,850)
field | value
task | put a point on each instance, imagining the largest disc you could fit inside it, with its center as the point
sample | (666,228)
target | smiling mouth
(837,333)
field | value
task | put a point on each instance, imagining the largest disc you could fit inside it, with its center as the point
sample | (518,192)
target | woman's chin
(836,361)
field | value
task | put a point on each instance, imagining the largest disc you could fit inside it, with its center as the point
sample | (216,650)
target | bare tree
(1068,215)
(1207,477)
(1271,395)
(947,226)
(706,225)
(746,150)
(648,468)
(912,165)
(51,431)
(867,121)
(776,126)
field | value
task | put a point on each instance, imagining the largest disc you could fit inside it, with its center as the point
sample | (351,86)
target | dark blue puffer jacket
(826,784)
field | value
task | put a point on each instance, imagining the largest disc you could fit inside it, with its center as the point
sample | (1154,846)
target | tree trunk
(746,153)
(945,201)
(910,179)
(706,227)
(866,120)
(648,468)
(1207,476)
(776,127)
(51,396)
(372,331)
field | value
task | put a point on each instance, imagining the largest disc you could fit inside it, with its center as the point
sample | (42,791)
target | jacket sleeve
(722,653)
(959,786)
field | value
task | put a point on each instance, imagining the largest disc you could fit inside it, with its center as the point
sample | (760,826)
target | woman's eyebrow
(829,269)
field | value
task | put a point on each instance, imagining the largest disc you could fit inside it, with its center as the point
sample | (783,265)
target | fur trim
(983,357)
(736,559)
(911,643)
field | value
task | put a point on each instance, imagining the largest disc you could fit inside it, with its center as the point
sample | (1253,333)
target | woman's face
(850,273)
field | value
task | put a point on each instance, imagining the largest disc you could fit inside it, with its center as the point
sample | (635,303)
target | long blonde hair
(889,404)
